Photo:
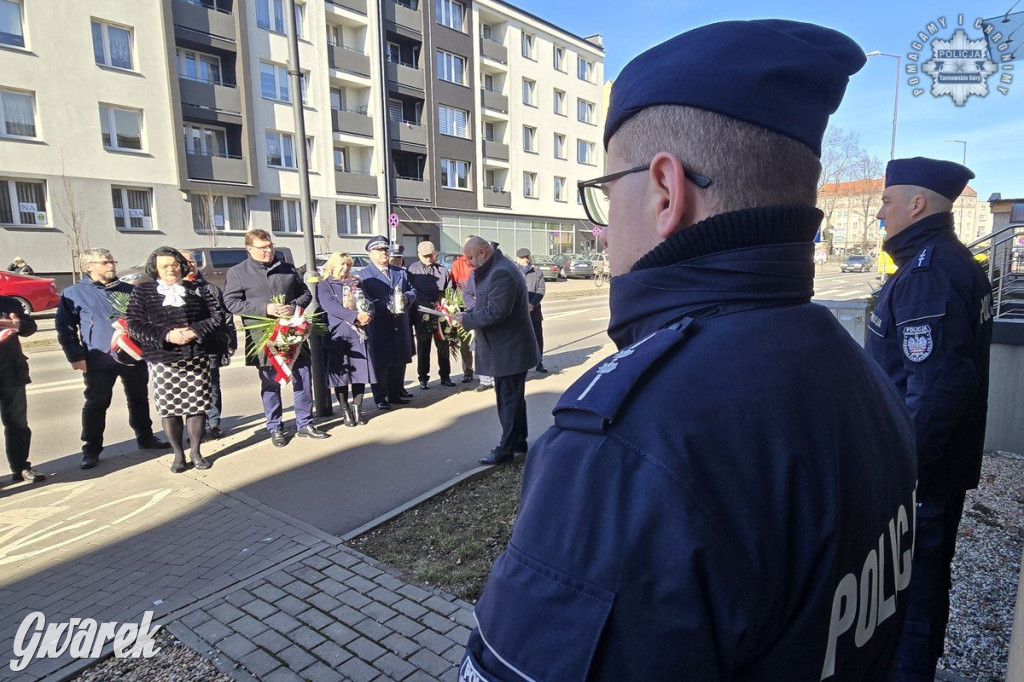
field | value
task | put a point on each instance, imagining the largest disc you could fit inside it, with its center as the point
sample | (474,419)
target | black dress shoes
(28,474)
(483,387)
(542,369)
(466,378)
(424,386)
(495,458)
(154,443)
(278,438)
(383,405)
(310,431)
(178,466)
(201,462)
(89,461)
(405,394)
(447,382)
(521,448)
(399,401)
(214,433)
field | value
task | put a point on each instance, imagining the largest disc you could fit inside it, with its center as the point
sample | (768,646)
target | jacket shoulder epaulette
(923,260)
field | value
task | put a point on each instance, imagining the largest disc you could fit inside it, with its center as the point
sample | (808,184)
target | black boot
(357,415)
(346,415)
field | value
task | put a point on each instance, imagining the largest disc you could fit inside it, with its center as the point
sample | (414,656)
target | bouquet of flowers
(122,347)
(447,328)
(282,338)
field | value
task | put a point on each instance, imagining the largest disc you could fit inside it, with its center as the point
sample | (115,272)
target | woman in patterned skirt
(178,325)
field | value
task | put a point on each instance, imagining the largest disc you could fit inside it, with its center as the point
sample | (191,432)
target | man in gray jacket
(506,346)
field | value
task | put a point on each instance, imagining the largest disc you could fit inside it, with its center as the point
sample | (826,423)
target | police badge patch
(917,342)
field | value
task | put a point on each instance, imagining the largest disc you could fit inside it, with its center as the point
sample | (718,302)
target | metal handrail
(1004,256)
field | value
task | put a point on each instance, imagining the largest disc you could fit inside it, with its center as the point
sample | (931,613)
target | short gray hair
(89,254)
(749,166)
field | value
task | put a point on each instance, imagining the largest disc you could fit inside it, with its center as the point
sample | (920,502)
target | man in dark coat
(730,496)
(389,334)
(931,331)
(535,289)
(249,291)
(84,318)
(505,345)
(14,323)
(430,279)
(19,267)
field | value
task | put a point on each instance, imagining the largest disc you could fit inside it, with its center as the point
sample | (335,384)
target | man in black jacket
(14,323)
(430,279)
(535,289)
(249,291)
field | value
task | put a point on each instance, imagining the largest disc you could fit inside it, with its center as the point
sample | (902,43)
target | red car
(34,293)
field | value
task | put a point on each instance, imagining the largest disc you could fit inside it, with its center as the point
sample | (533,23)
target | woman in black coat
(346,358)
(178,325)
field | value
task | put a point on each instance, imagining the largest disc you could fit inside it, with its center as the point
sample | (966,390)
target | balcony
(204,20)
(348,59)
(412,188)
(496,198)
(208,95)
(351,182)
(357,6)
(218,168)
(495,150)
(492,99)
(492,49)
(407,132)
(354,122)
(408,76)
(403,16)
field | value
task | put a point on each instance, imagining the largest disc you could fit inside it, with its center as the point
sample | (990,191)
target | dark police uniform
(930,332)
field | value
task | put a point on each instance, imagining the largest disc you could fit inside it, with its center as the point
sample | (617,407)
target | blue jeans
(17,435)
(216,399)
(270,392)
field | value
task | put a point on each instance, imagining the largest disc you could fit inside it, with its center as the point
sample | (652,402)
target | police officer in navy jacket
(730,496)
(930,331)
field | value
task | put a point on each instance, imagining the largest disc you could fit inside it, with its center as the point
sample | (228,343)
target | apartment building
(129,125)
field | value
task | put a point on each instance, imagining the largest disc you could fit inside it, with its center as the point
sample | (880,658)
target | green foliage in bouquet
(119,302)
(264,326)
(455,334)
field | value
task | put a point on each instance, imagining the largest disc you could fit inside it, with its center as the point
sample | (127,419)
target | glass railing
(208,81)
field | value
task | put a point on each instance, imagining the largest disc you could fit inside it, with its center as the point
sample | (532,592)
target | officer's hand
(531,307)
(363,318)
(11,322)
(79,365)
(287,310)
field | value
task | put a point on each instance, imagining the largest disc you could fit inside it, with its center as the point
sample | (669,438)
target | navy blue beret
(945,177)
(378,242)
(786,76)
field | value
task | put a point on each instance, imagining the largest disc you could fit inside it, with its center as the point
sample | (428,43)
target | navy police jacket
(389,336)
(710,504)
(930,332)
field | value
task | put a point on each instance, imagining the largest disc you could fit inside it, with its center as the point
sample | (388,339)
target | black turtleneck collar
(735,230)
(909,241)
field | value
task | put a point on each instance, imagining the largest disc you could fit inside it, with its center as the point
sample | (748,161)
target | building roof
(875,185)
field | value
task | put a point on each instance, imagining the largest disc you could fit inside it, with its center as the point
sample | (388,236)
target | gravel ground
(175,662)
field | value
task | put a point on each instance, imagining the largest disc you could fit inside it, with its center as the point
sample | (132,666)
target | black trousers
(99,388)
(538,330)
(392,381)
(17,435)
(424,347)
(510,392)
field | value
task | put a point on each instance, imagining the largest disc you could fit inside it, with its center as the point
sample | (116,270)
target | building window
(559,58)
(585,69)
(450,13)
(559,146)
(530,185)
(453,121)
(529,92)
(212,213)
(197,66)
(284,216)
(112,45)
(270,14)
(121,129)
(18,109)
(454,174)
(275,83)
(529,139)
(11,30)
(585,111)
(451,67)
(354,219)
(132,208)
(204,140)
(559,189)
(560,102)
(23,202)
(585,152)
(530,46)
(280,150)
(341,156)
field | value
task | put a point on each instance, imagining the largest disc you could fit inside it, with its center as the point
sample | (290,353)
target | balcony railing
(407,132)
(492,49)
(348,59)
(412,188)
(198,17)
(220,168)
(357,6)
(401,14)
(355,122)
(214,96)
(355,182)
(493,99)
(409,76)
(495,150)
(497,198)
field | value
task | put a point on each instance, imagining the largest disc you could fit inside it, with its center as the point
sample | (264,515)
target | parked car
(574,265)
(856,264)
(34,293)
(547,266)
(213,262)
(359,261)
(600,261)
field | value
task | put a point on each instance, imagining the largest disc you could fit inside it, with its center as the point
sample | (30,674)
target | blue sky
(992,126)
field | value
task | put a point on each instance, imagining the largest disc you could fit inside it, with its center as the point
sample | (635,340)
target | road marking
(599,319)
(558,316)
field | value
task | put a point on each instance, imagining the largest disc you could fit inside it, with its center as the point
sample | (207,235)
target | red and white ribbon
(282,355)
(122,342)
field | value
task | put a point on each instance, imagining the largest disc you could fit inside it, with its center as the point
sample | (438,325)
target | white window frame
(129,215)
(529,42)
(585,153)
(224,213)
(363,224)
(199,59)
(560,145)
(449,69)
(453,121)
(529,92)
(284,142)
(19,6)
(586,70)
(274,10)
(559,188)
(290,216)
(530,185)
(104,27)
(108,111)
(280,75)
(586,112)
(14,203)
(451,13)
(3,114)
(450,168)
(206,131)
(559,102)
(558,58)
(530,139)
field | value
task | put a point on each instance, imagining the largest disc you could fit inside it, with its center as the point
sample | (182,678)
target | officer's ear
(671,201)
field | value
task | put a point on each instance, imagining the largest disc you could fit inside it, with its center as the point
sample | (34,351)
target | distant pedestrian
(15,323)
(19,267)
(535,289)
(430,279)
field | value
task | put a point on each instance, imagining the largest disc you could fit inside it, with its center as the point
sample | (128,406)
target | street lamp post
(964,162)
(896,104)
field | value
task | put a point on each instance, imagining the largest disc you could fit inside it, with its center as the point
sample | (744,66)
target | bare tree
(203,214)
(839,151)
(868,173)
(75,230)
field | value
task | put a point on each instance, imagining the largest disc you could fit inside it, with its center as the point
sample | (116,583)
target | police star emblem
(959,67)
(918,343)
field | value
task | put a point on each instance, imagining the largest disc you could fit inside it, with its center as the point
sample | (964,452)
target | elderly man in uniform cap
(709,504)
(930,331)
(389,334)
(430,279)
(535,289)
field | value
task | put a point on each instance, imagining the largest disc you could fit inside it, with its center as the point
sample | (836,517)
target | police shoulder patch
(918,343)
(923,260)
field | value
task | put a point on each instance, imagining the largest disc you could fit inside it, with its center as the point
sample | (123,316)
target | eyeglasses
(265,249)
(103,262)
(594,193)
